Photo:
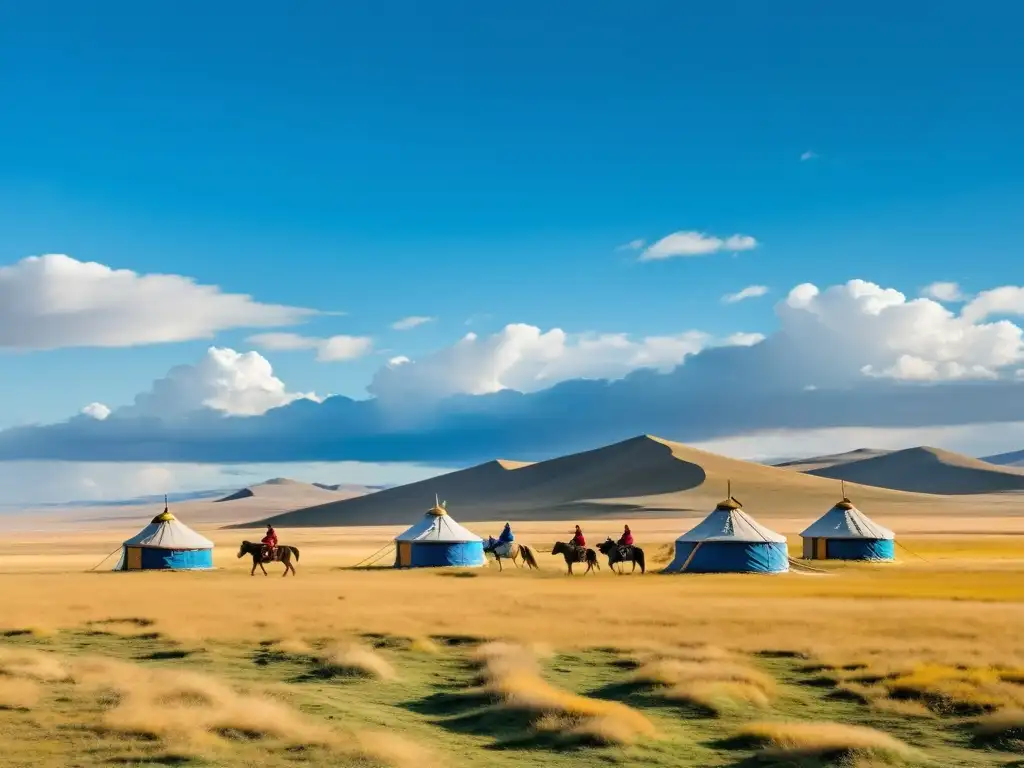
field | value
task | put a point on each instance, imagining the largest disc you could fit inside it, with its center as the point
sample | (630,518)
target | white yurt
(730,541)
(437,541)
(166,544)
(846,533)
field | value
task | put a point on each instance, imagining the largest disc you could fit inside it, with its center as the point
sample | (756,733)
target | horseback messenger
(505,546)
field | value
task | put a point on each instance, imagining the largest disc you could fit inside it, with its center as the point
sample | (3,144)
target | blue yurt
(166,544)
(846,533)
(730,541)
(437,541)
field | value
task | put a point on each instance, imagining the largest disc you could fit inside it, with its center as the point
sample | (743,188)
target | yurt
(846,533)
(166,544)
(437,541)
(730,541)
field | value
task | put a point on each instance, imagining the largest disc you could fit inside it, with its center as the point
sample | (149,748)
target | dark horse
(511,551)
(576,555)
(622,554)
(281,554)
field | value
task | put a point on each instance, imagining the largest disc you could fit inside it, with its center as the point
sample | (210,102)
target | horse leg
(294,573)
(263,569)
(254,563)
(500,568)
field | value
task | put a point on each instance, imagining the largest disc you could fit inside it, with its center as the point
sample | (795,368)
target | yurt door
(404,554)
(133,559)
(821,548)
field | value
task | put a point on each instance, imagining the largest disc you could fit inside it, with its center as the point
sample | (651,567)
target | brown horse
(281,554)
(511,551)
(576,555)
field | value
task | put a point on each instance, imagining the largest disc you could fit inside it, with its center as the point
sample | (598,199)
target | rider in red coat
(269,541)
(577,539)
(626,540)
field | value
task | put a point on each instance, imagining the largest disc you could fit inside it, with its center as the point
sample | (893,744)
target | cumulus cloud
(54,301)
(96,411)
(224,381)
(408,323)
(856,355)
(330,350)
(632,245)
(695,244)
(525,359)
(750,292)
(943,292)
(1006,300)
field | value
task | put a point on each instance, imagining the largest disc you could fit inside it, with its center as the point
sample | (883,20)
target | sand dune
(831,460)
(294,491)
(641,476)
(1012,459)
(928,470)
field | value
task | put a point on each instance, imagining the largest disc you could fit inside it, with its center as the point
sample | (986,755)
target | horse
(623,554)
(281,554)
(575,555)
(511,550)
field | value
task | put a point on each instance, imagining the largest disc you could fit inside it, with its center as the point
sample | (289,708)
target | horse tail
(638,555)
(528,557)
(295,551)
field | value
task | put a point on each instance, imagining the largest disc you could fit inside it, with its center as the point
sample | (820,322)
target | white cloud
(1005,300)
(330,350)
(394,362)
(695,244)
(632,245)
(54,301)
(230,382)
(526,359)
(862,328)
(744,339)
(96,411)
(750,292)
(809,155)
(943,292)
(408,323)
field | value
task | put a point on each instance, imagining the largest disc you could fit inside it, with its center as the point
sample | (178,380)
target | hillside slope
(928,470)
(641,475)
(831,460)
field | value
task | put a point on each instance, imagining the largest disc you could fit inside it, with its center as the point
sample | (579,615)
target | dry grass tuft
(824,741)
(16,693)
(512,673)
(292,646)
(355,660)
(37,632)
(712,685)
(956,690)
(1003,729)
(33,665)
(392,750)
(424,645)
(190,710)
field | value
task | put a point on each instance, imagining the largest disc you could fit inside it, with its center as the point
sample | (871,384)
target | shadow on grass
(640,695)
(177,653)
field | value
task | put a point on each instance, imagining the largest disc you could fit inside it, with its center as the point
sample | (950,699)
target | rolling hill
(831,460)
(1012,459)
(643,475)
(294,491)
(928,470)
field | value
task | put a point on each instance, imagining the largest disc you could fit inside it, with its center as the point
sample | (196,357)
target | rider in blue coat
(506,536)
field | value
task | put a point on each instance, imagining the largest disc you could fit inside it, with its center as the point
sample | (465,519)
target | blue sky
(458,160)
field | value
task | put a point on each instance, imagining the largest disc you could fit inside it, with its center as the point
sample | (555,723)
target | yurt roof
(730,524)
(437,526)
(845,521)
(165,531)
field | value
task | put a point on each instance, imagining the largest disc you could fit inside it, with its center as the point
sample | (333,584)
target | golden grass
(422,644)
(16,693)
(354,659)
(824,741)
(293,646)
(956,689)
(712,684)
(33,665)
(512,673)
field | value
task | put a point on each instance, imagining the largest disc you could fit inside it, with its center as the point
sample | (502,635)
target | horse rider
(578,541)
(506,537)
(269,543)
(625,540)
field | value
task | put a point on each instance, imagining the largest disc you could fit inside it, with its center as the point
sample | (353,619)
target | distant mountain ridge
(641,475)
